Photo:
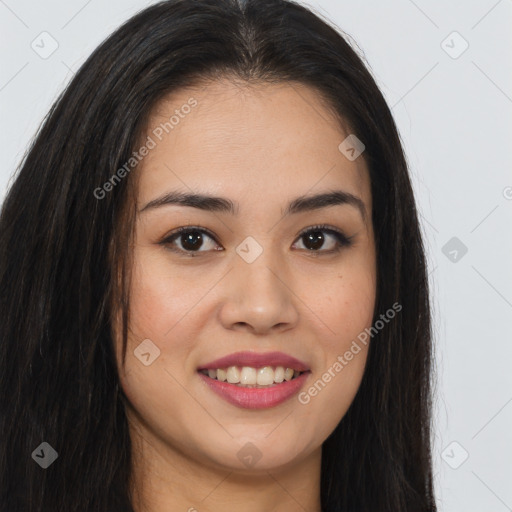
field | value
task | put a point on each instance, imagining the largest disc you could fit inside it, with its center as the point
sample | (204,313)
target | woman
(214,288)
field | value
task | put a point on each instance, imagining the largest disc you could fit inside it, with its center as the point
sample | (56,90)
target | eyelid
(185,229)
(323,227)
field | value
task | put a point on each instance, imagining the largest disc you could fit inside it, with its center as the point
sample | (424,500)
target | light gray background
(454,113)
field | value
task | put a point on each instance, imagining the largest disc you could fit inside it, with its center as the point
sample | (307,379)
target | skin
(260,146)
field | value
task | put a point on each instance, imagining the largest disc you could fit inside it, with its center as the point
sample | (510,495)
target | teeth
(233,375)
(253,377)
(279,374)
(248,376)
(265,376)
(288,374)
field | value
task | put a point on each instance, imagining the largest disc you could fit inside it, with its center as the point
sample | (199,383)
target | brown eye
(316,237)
(191,239)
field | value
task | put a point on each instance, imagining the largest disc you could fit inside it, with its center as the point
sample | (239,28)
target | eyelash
(342,240)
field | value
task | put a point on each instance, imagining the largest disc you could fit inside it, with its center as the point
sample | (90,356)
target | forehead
(265,141)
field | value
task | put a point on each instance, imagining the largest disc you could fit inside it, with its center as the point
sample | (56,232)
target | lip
(255,360)
(256,398)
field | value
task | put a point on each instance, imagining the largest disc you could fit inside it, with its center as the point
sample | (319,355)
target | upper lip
(256,360)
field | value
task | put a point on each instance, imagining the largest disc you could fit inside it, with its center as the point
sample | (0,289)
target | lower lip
(256,398)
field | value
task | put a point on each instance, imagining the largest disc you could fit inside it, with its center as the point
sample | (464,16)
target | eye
(191,239)
(313,238)
(194,238)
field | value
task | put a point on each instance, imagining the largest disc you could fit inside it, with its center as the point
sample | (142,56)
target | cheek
(345,304)
(155,313)
(346,310)
(159,298)
(159,307)
(167,307)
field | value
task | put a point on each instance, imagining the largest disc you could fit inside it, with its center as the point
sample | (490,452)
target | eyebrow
(223,205)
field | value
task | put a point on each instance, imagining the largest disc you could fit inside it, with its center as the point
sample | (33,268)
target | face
(256,272)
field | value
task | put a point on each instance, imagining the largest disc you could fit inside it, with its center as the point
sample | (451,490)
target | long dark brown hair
(62,250)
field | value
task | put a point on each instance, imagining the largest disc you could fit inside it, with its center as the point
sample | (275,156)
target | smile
(253,377)
(254,388)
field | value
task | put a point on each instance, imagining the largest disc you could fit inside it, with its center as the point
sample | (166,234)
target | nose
(259,297)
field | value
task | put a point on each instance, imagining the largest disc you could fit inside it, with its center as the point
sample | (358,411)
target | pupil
(317,239)
(193,240)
